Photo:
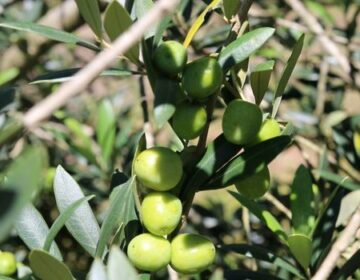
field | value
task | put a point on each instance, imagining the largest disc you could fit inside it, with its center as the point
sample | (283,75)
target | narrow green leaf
(349,268)
(285,76)
(217,153)
(82,224)
(23,177)
(97,271)
(249,162)
(325,227)
(32,229)
(301,247)
(90,11)
(119,266)
(230,8)
(46,267)
(302,198)
(67,74)
(61,220)
(262,254)
(121,212)
(198,23)
(116,21)
(260,78)
(244,46)
(49,32)
(106,128)
(262,214)
(339,180)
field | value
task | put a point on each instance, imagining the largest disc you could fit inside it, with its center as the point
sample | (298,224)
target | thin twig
(345,239)
(82,79)
(278,205)
(318,30)
(321,97)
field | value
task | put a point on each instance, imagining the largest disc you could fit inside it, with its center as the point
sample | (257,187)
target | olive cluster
(160,170)
(7,264)
(200,79)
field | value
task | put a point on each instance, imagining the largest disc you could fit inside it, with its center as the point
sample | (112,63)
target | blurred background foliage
(96,133)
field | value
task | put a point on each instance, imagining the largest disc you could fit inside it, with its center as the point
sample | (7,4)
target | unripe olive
(269,129)
(149,252)
(256,185)
(158,168)
(189,120)
(202,77)
(191,253)
(170,58)
(7,263)
(161,212)
(241,122)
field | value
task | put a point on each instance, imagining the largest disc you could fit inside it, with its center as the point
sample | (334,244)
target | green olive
(241,122)
(191,253)
(161,212)
(202,77)
(170,58)
(149,252)
(269,129)
(189,121)
(7,263)
(256,185)
(158,168)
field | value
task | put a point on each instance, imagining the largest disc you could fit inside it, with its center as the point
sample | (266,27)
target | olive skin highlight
(161,212)
(191,253)
(158,168)
(149,252)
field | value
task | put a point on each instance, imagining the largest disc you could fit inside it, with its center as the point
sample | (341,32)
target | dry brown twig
(345,239)
(85,76)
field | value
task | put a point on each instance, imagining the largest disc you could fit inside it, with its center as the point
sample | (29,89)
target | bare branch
(82,79)
(318,30)
(345,239)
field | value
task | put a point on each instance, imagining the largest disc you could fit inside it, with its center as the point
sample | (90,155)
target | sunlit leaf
(121,212)
(82,224)
(302,198)
(301,247)
(244,46)
(285,76)
(32,229)
(106,128)
(249,162)
(262,214)
(198,23)
(260,78)
(61,220)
